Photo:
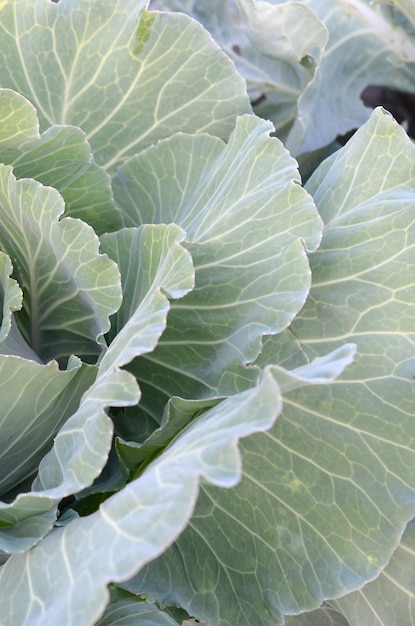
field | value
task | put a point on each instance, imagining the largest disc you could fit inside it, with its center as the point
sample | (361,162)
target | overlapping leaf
(368,41)
(406,6)
(231,531)
(276,47)
(66,466)
(113,69)
(247,221)
(327,492)
(10,295)
(326,616)
(133,613)
(178,414)
(32,417)
(52,582)
(73,463)
(36,401)
(70,290)
(147,257)
(60,157)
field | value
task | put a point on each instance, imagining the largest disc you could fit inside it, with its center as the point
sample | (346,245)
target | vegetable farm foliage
(206,369)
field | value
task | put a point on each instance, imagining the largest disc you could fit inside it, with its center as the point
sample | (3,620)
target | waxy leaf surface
(60,157)
(276,47)
(73,463)
(69,289)
(247,222)
(371,46)
(390,599)
(136,524)
(31,415)
(326,493)
(113,69)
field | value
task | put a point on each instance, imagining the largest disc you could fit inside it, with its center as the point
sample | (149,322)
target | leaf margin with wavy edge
(73,464)
(43,249)
(134,542)
(205,602)
(370,515)
(327,615)
(270,57)
(354,26)
(81,88)
(10,294)
(30,516)
(133,611)
(117,387)
(256,265)
(60,157)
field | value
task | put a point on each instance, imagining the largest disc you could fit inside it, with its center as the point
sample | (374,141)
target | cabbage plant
(206,367)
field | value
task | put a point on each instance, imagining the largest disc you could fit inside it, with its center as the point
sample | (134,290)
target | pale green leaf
(368,45)
(285,350)
(406,6)
(390,599)
(10,296)
(149,257)
(25,521)
(16,345)
(31,417)
(247,222)
(113,69)
(286,31)
(69,289)
(327,492)
(225,565)
(322,369)
(19,121)
(60,157)
(36,401)
(178,414)
(64,578)
(326,616)
(152,263)
(135,613)
(73,464)
(276,47)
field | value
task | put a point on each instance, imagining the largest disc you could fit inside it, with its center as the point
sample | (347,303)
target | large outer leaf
(117,72)
(60,157)
(364,290)
(227,551)
(69,289)
(390,599)
(247,221)
(277,49)
(367,46)
(326,493)
(274,47)
(73,463)
(63,579)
